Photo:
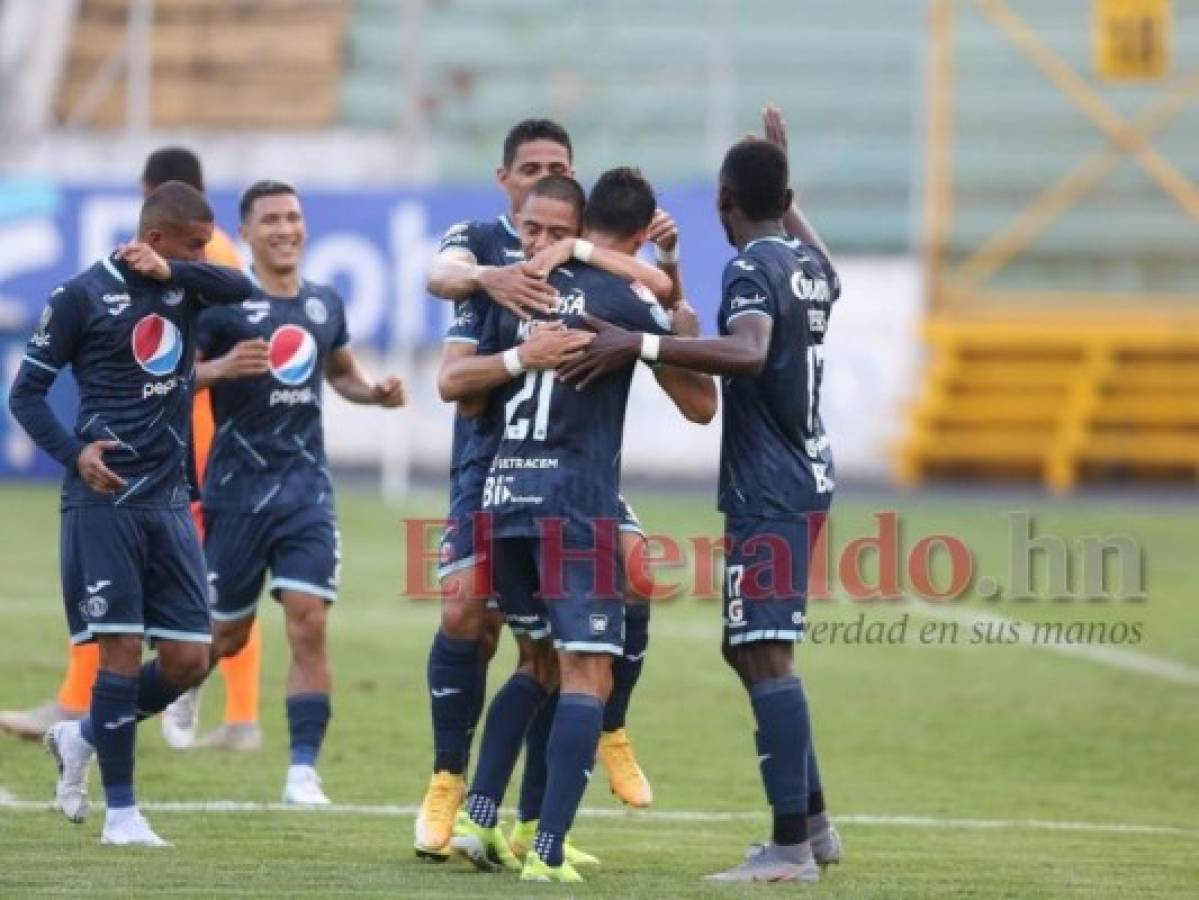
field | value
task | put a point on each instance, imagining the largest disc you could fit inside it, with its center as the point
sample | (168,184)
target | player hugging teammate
(553,313)
(549,443)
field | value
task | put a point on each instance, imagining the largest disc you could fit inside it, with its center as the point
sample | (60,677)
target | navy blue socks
(571,755)
(307,718)
(512,710)
(626,668)
(113,732)
(532,784)
(154,693)
(453,674)
(783,738)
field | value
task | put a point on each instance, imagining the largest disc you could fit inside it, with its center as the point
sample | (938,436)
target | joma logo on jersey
(740,302)
(117,303)
(256,310)
(814,289)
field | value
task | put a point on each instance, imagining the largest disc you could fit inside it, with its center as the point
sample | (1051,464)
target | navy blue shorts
(133,571)
(457,550)
(765,580)
(583,604)
(628,518)
(300,546)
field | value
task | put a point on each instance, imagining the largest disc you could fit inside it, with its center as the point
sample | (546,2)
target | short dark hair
(265,188)
(173,204)
(756,173)
(621,203)
(173,164)
(560,187)
(535,130)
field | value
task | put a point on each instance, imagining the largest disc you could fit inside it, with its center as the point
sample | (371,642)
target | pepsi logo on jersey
(292,354)
(292,357)
(157,347)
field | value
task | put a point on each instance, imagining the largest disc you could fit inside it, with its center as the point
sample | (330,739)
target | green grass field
(956,769)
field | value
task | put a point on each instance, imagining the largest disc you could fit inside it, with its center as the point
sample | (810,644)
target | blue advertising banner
(374,246)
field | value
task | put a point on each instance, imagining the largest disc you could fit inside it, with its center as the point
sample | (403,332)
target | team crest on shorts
(94,607)
(599,623)
(315,309)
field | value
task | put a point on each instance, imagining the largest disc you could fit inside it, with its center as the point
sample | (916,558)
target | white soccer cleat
(239,736)
(129,828)
(72,754)
(32,724)
(772,863)
(826,845)
(303,787)
(179,720)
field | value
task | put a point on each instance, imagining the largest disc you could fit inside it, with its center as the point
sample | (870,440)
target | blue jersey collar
(508,227)
(772,239)
(112,269)
(253,276)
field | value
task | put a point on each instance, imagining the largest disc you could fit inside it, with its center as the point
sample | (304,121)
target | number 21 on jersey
(541,383)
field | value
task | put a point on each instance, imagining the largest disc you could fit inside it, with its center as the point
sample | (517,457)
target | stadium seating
(648,82)
(1059,398)
(217,64)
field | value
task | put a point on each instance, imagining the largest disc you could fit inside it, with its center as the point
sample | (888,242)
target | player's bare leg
(625,777)
(309,684)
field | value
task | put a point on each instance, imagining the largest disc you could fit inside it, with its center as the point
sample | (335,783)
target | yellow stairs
(1059,397)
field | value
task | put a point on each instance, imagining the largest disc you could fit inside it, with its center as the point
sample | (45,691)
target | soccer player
(479,263)
(240,730)
(557,461)
(479,266)
(132,568)
(268,497)
(776,473)
(240,673)
(550,215)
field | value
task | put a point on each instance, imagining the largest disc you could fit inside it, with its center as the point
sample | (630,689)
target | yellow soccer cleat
(536,870)
(435,821)
(625,777)
(521,837)
(486,848)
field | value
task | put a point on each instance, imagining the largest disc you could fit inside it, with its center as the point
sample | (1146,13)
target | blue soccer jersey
(490,243)
(130,342)
(269,449)
(558,448)
(775,460)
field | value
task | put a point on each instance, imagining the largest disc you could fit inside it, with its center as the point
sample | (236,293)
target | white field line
(1114,657)
(664,815)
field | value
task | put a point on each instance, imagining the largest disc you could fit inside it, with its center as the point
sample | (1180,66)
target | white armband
(668,257)
(582,250)
(651,345)
(512,362)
